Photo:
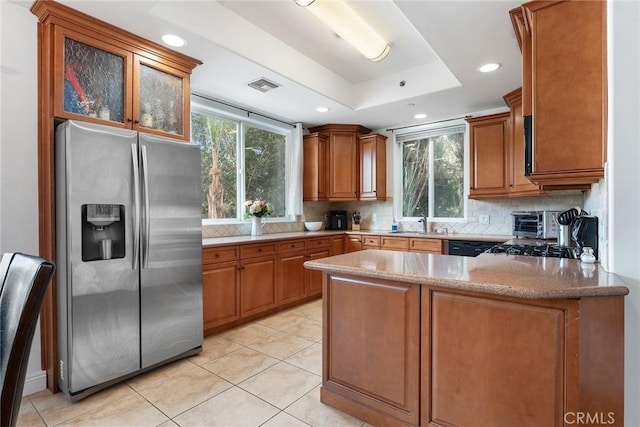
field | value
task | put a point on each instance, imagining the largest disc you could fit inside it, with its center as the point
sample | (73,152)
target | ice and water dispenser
(103,232)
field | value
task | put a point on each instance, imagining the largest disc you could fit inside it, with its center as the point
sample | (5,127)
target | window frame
(398,169)
(241,121)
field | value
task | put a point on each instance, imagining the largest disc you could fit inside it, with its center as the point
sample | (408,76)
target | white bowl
(313,226)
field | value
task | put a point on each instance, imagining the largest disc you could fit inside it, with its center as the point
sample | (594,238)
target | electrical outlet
(374,218)
(484,219)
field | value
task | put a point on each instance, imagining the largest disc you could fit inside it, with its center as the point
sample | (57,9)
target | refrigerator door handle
(136,196)
(147,222)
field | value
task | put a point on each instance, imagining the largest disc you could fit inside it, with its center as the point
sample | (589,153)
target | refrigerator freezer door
(171,285)
(99,327)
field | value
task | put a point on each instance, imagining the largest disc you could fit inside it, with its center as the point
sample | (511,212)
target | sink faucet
(423,220)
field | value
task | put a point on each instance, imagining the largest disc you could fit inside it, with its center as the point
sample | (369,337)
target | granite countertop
(234,240)
(497,274)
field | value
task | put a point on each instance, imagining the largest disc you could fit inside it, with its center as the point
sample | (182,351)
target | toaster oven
(535,224)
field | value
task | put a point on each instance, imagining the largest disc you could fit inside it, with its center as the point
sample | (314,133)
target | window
(430,173)
(241,160)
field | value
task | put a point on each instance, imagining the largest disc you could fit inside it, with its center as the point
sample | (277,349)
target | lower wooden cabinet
(432,246)
(294,281)
(394,243)
(400,354)
(291,276)
(257,285)
(352,243)
(503,362)
(220,293)
(242,282)
(371,349)
(313,278)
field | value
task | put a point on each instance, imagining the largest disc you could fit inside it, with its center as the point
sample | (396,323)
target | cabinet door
(394,243)
(291,277)
(160,101)
(373,172)
(337,245)
(371,345)
(314,277)
(315,167)
(433,246)
(503,362)
(257,285)
(343,168)
(220,293)
(489,137)
(92,79)
(353,244)
(569,109)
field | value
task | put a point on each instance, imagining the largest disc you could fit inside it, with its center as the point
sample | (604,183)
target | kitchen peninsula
(425,339)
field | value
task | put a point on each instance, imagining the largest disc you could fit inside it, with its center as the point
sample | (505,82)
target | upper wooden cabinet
(105,75)
(341,162)
(563,45)
(519,184)
(497,154)
(489,139)
(373,167)
(315,167)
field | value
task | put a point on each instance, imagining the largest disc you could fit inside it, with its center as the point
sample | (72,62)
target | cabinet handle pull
(136,121)
(129,119)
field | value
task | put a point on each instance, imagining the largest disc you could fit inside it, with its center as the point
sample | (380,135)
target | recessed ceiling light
(420,116)
(173,40)
(322,109)
(487,68)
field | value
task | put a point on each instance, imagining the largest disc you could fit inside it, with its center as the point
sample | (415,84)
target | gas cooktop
(544,250)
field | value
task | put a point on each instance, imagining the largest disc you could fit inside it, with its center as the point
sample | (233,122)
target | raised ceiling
(437,47)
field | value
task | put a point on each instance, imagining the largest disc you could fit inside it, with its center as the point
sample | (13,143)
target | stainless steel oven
(535,224)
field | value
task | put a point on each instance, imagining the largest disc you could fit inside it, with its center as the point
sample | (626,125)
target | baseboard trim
(35,382)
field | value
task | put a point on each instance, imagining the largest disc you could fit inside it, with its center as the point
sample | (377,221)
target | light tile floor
(265,373)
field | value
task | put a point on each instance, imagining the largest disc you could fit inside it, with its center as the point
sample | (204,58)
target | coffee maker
(337,220)
(584,233)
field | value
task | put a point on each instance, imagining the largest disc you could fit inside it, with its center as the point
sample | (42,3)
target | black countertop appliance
(337,220)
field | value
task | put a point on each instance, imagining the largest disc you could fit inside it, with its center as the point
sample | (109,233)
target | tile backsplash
(498,210)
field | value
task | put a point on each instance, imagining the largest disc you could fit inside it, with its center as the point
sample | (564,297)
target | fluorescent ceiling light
(420,116)
(173,40)
(487,68)
(322,109)
(347,24)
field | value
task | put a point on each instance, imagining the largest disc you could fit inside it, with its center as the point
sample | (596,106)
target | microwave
(535,224)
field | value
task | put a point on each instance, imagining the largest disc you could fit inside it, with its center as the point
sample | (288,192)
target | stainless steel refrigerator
(129,254)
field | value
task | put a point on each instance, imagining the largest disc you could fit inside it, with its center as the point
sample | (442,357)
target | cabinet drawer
(220,254)
(425,245)
(395,243)
(318,243)
(371,241)
(291,245)
(249,251)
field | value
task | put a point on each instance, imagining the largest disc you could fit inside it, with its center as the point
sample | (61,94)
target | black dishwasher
(469,247)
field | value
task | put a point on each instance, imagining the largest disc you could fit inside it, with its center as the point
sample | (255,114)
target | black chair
(23,282)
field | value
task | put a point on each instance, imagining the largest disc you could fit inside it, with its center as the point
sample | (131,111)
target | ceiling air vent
(263,85)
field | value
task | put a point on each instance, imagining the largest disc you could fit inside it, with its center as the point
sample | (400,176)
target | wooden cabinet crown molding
(336,127)
(52,12)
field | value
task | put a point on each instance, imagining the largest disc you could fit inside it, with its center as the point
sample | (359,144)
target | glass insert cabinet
(104,83)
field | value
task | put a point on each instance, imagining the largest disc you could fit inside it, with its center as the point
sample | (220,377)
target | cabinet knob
(217,255)
(129,119)
(259,249)
(136,121)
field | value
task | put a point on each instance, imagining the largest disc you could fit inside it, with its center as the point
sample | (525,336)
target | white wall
(624,181)
(18,149)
